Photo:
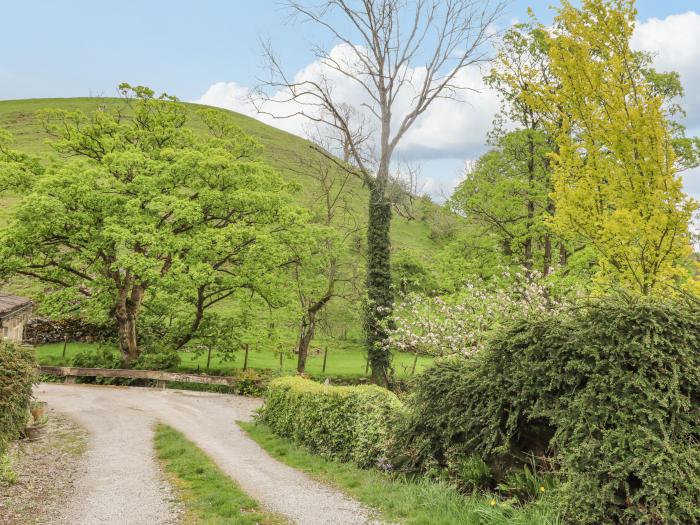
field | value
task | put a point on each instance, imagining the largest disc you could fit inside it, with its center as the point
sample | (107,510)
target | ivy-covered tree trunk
(379,293)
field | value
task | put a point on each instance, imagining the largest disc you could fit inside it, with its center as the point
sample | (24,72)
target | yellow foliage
(616,185)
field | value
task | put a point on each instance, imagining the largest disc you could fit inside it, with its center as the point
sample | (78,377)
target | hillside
(281,150)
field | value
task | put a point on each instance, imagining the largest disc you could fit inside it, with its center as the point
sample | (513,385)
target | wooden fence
(70,373)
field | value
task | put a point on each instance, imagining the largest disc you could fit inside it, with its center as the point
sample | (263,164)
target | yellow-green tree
(616,183)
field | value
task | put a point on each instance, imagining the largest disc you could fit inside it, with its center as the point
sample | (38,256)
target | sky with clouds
(209,52)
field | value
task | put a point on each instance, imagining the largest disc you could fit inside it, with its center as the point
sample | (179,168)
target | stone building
(14,314)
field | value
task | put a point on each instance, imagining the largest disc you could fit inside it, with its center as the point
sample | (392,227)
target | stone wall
(41,330)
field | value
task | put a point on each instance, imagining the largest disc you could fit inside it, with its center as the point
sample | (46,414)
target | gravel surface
(122,485)
(46,468)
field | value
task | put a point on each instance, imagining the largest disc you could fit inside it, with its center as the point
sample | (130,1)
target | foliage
(17,377)
(400,499)
(157,360)
(139,215)
(460,323)
(101,357)
(411,275)
(505,194)
(350,423)
(609,391)
(616,183)
(208,495)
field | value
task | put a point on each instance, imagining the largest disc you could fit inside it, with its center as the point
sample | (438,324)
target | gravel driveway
(122,484)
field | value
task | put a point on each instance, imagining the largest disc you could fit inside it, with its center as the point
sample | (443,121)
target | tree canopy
(136,216)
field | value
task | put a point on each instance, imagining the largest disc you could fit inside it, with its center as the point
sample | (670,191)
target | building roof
(11,303)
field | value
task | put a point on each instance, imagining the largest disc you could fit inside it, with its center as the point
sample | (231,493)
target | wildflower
(493,502)
(541,488)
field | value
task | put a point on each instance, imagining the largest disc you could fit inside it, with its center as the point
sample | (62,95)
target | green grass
(348,362)
(399,500)
(208,495)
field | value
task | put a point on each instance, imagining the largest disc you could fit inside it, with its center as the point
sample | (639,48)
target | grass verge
(208,495)
(397,499)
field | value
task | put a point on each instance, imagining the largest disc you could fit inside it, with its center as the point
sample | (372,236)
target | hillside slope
(283,151)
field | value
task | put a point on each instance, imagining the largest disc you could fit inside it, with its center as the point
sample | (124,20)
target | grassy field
(341,362)
(399,500)
(208,495)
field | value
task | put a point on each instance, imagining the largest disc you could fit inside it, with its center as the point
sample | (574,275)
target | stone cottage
(14,314)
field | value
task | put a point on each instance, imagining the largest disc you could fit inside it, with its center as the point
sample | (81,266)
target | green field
(348,363)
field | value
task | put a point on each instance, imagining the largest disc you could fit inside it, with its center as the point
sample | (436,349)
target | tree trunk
(126,329)
(308,329)
(379,293)
(127,309)
(530,206)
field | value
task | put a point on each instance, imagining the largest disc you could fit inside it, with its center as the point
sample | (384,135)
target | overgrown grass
(209,496)
(343,362)
(397,499)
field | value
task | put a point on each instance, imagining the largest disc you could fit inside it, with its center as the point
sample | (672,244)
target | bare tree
(414,48)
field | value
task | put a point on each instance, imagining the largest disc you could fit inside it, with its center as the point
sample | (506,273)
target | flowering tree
(459,324)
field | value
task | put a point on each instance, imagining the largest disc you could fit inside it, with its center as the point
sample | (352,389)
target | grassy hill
(281,150)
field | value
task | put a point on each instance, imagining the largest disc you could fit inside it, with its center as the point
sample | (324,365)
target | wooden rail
(70,373)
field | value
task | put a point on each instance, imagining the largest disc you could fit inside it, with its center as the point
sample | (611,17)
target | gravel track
(122,484)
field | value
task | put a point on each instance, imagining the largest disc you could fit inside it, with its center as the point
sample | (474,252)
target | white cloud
(449,128)
(675,42)
(228,95)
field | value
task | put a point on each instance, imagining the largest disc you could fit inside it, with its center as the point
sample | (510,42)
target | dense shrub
(610,392)
(102,357)
(17,375)
(350,423)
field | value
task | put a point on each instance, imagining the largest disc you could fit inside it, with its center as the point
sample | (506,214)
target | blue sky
(83,48)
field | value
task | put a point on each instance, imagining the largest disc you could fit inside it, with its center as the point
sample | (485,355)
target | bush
(158,360)
(609,392)
(17,377)
(349,423)
(103,357)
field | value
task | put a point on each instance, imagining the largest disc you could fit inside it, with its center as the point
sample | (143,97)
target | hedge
(17,376)
(610,392)
(349,423)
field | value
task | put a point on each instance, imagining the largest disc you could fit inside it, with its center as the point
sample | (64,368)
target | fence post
(367,364)
(245,359)
(208,358)
(280,359)
(415,361)
(325,357)
(65,344)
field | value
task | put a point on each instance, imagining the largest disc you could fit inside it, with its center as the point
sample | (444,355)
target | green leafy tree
(323,270)
(618,153)
(139,216)
(506,195)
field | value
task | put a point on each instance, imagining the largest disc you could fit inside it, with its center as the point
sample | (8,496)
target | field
(346,363)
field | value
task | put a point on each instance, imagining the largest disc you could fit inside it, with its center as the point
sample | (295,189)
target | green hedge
(349,423)
(610,392)
(17,376)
